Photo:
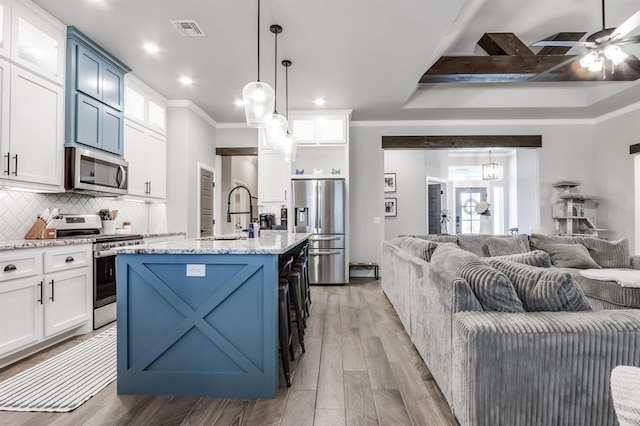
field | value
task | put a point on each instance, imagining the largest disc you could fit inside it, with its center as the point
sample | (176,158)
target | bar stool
(284,320)
(305,276)
(295,297)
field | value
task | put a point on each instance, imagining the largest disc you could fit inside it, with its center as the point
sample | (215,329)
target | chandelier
(490,170)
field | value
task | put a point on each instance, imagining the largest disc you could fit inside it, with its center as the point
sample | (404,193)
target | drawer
(20,263)
(67,257)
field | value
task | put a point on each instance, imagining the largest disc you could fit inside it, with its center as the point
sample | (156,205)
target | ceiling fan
(604,44)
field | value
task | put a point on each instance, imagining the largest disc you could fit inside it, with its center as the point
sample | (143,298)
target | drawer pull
(10,267)
(69,259)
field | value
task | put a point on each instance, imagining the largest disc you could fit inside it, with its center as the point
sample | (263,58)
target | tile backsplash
(19,209)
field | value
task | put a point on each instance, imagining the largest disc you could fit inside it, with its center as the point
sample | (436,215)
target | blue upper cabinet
(95,95)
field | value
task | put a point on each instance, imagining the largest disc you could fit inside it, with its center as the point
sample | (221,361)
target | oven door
(104,278)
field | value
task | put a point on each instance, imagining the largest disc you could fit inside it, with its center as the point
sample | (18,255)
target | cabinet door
(36,130)
(5,82)
(88,122)
(5,28)
(157,165)
(20,313)
(111,130)
(273,177)
(89,73)
(112,87)
(135,153)
(67,296)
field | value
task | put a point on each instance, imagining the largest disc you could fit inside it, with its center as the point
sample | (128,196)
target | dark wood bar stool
(284,319)
(295,296)
(305,277)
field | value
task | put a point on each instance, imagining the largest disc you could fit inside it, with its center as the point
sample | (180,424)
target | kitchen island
(199,317)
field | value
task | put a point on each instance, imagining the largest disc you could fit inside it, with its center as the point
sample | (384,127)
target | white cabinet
(320,127)
(43,293)
(144,105)
(274,182)
(146,152)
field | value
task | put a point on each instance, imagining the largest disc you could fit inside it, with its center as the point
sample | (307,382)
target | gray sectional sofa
(507,368)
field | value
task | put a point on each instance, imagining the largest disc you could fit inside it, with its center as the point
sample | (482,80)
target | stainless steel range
(104,260)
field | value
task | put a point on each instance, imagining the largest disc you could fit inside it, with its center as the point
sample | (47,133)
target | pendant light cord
(286,92)
(275,76)
(603,21)
(258,40)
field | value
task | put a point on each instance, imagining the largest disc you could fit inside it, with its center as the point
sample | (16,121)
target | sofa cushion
(543,289)
(609,254)
(492,288)
(509,245)
(435,237)
(570,256)
(533,258)
(539,241)
(416,246)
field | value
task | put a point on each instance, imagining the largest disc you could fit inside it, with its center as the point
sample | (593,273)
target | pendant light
(289,143)
(490,170)
(277,128)
(258,97)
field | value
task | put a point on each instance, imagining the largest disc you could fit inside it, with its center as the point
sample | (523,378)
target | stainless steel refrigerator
(319,208)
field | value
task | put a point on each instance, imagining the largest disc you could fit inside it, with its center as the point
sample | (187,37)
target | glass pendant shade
(259,100)
(289,147)
(276,130)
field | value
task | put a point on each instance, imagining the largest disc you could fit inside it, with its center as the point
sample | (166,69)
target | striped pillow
(570,256)
(543,289)
(509,245)
(609,254)
(435,237)
(492,288)
(537,258)
(416,246)
(539,241)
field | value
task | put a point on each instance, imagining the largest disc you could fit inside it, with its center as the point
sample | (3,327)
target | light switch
(376,220)
(196,270)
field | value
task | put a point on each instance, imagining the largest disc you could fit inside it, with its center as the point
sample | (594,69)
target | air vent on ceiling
(188,28)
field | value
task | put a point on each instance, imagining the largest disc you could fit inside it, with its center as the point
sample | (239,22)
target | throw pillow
(543,289)
(435,237)
(609,254)
(492,288)
(537,258)
(416,246)
(570,256)
(539,241)
(509,245)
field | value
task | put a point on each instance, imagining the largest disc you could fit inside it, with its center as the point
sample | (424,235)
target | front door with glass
(467,220)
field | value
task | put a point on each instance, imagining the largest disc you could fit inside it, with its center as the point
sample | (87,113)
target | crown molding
(242,125)
(471,123)
(186,103)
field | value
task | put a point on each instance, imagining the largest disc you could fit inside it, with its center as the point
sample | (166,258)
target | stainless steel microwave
(93,173)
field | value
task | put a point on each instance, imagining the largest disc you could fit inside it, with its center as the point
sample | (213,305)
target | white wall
(191,139)
(227,137)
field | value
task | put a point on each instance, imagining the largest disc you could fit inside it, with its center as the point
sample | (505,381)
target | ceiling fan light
(615,54)
(596,66)
(258,98)
(589,59)
(276,129)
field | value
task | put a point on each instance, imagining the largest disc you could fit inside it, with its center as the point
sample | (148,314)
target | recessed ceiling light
(187,81)
(151,48)
(238,102)
(319,101)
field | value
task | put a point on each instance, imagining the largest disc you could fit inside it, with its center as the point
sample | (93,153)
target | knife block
(39,231)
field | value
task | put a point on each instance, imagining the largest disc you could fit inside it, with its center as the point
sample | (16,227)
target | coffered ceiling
(367,55)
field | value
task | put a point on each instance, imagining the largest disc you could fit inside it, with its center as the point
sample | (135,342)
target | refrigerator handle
(319,209)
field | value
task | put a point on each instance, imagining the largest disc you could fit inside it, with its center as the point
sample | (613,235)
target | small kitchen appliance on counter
(267,220)
(104,260)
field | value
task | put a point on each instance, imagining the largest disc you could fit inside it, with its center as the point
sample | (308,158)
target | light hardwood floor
(360,368)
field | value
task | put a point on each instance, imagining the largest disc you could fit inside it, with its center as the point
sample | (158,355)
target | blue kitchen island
(199,317)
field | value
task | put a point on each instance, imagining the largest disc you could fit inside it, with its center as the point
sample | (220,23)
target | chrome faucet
(250,212)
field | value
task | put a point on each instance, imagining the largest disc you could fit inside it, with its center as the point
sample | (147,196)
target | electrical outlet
(196,270)
(376,220)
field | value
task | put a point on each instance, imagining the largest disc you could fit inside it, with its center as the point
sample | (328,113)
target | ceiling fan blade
(626,27)
(629,40)
(544,75)
(563,43)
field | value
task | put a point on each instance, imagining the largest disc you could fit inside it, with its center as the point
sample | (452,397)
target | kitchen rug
(67,380)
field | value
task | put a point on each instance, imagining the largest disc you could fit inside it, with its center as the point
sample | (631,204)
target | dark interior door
(435,206)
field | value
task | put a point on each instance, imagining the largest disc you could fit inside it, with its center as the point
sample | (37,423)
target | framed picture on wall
(390,207)
(389,182)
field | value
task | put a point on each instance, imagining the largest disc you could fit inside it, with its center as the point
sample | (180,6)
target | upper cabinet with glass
(320,127)
(144,105)
(37,41)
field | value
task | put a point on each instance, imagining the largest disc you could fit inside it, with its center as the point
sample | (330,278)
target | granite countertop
(161,234)
(271,243)
(23,244)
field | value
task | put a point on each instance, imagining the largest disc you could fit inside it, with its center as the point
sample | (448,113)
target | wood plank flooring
(360,368)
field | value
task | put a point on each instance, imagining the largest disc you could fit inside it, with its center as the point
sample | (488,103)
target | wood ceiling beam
(236,151)
(466,141)
(505,44)
(557,50)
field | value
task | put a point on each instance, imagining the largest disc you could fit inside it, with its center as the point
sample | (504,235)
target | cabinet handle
(10,267)
(149,187)
(15,170)
(53,289)
(69,259)
(8,157)
(40,300)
